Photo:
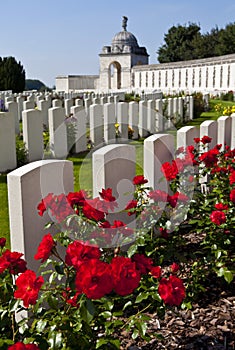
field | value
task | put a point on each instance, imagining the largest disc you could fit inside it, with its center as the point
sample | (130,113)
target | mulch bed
(209,324)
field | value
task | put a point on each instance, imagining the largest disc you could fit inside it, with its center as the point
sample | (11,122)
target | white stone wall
(212,74)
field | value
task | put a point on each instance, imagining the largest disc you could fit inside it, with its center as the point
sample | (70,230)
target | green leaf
(135,334)
(87,310)
(100,342)
(132,250)
(106,314)
(142,296)
(41,324)
(228,276)
(129,303)
(59,269)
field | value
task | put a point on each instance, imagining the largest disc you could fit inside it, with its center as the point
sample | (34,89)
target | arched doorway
(114,75)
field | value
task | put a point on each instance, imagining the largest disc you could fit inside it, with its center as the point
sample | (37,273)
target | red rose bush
(100,275)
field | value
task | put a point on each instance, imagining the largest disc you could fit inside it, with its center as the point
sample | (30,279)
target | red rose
(45,203)
(171,290)
(76,198)
(232,196)
(156,271)
(2,242)
(158,195)
(94,279)
(210,158)
(28,286)
(107,195)
(61,208)
(197,139)
(93,209)
(206,139)
(175,198)
(45,248)
(108,200)
(139,180)
(79,252)
(122,228)
(126,277)
(164,233)
(22,346)
(218,217)
(13,262)
(221,206)
(130,206)
(143,264)
(71,299)
(170,171)
(174,267)
(232,178)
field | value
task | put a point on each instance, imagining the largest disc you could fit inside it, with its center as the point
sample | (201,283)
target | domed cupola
(124,41)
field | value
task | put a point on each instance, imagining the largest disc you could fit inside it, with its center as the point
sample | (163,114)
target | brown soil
(209,324)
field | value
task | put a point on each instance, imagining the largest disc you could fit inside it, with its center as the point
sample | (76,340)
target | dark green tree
(12,75)
(226,44)
(179,43)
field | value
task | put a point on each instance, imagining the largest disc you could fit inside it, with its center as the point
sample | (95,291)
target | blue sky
(60,37)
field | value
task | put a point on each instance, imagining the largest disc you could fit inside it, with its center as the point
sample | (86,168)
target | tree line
(12,75)
(185,42)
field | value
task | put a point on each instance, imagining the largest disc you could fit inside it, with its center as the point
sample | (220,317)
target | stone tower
(117,60)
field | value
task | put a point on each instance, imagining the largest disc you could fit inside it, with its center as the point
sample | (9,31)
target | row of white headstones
(113,166)
(144,118)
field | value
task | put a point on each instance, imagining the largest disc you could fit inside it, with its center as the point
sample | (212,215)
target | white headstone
(113,166)
(96,125)
(109,123)
(224,131)
(185,136)
(134,119)
(58,132)
(27,186)
(7,142)
(158,149)
(122,119)
(143,119)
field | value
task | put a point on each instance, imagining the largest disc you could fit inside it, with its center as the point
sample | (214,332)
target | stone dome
(124,39)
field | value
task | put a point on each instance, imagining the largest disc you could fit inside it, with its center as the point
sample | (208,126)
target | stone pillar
(7,142)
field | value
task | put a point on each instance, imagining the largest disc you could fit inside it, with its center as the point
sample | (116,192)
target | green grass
(4,219)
